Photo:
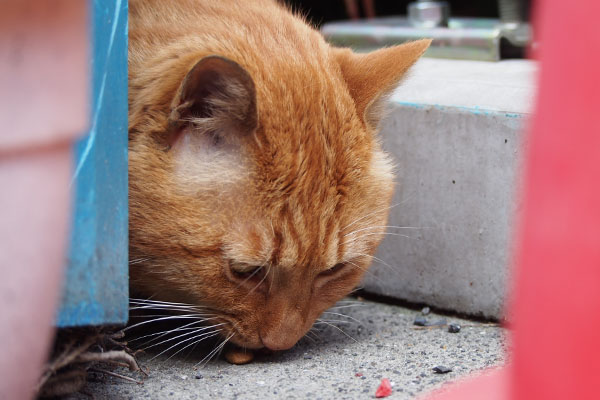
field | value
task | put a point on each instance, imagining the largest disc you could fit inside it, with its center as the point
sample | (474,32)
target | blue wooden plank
(96,289)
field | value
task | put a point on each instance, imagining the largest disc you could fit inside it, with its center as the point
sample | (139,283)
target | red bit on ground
(358,374)
(384,389)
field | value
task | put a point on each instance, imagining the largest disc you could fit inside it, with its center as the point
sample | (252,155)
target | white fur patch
(382,168)
(206,161)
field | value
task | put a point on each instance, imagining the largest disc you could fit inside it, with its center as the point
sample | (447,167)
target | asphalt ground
(345,361)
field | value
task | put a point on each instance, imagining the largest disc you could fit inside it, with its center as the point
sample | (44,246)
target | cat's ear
(216,94)
(372,76)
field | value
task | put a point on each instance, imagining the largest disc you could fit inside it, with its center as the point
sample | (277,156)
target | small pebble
(198,376)
(420,321)
(454,328)
(425,310)
(440,369)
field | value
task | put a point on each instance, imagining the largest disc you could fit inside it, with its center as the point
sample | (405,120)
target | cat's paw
(238,356)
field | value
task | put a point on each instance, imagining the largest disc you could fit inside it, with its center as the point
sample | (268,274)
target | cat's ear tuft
(372,76)
(217,94)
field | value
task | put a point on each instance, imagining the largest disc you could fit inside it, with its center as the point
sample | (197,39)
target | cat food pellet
(454,328)
(420,321)
(384,389)
(425,310)
(239,356)
(440,369)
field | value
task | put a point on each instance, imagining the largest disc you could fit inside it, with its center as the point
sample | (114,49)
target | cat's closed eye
(244,272)
(333,270)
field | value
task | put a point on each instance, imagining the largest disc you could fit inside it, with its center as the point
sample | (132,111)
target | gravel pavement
(344,362)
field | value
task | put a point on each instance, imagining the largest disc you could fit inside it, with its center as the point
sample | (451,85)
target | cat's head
(258,188)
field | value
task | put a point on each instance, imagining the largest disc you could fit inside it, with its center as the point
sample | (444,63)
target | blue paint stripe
(471,110)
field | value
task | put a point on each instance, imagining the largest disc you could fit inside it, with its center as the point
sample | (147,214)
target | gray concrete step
(455,130)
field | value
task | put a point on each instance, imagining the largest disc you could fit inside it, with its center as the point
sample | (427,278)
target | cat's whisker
(348,302)
(309,338)
(347,306)
(366,271)
(156,315)
(202,329)
(139,260)
(336,327)
(356,289)
(354,239)
(166,310)
(357,266)
(337,321)
(249,277)
(264,262)
(314,331)
(376,259)
(209,356)
(260,282)
(166,306)
(380,227)
(343,315)
(194,343)
(371,213)
(271,280)
(170,317)
(349,299)
(203,335)
(162,334)
(159,302)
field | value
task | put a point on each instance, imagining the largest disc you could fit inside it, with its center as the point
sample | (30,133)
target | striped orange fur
(258,187)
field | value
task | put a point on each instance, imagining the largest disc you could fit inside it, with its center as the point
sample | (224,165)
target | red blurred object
(556,304)
(43,109)
(384,389)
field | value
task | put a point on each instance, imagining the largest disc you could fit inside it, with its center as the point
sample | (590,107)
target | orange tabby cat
(258,188)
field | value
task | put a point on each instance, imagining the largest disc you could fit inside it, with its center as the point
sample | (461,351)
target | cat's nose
(273,342)
(283,333)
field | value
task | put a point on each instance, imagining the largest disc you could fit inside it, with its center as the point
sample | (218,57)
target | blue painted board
(96,288)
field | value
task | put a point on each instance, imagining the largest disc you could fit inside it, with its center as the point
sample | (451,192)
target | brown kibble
(239,356)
